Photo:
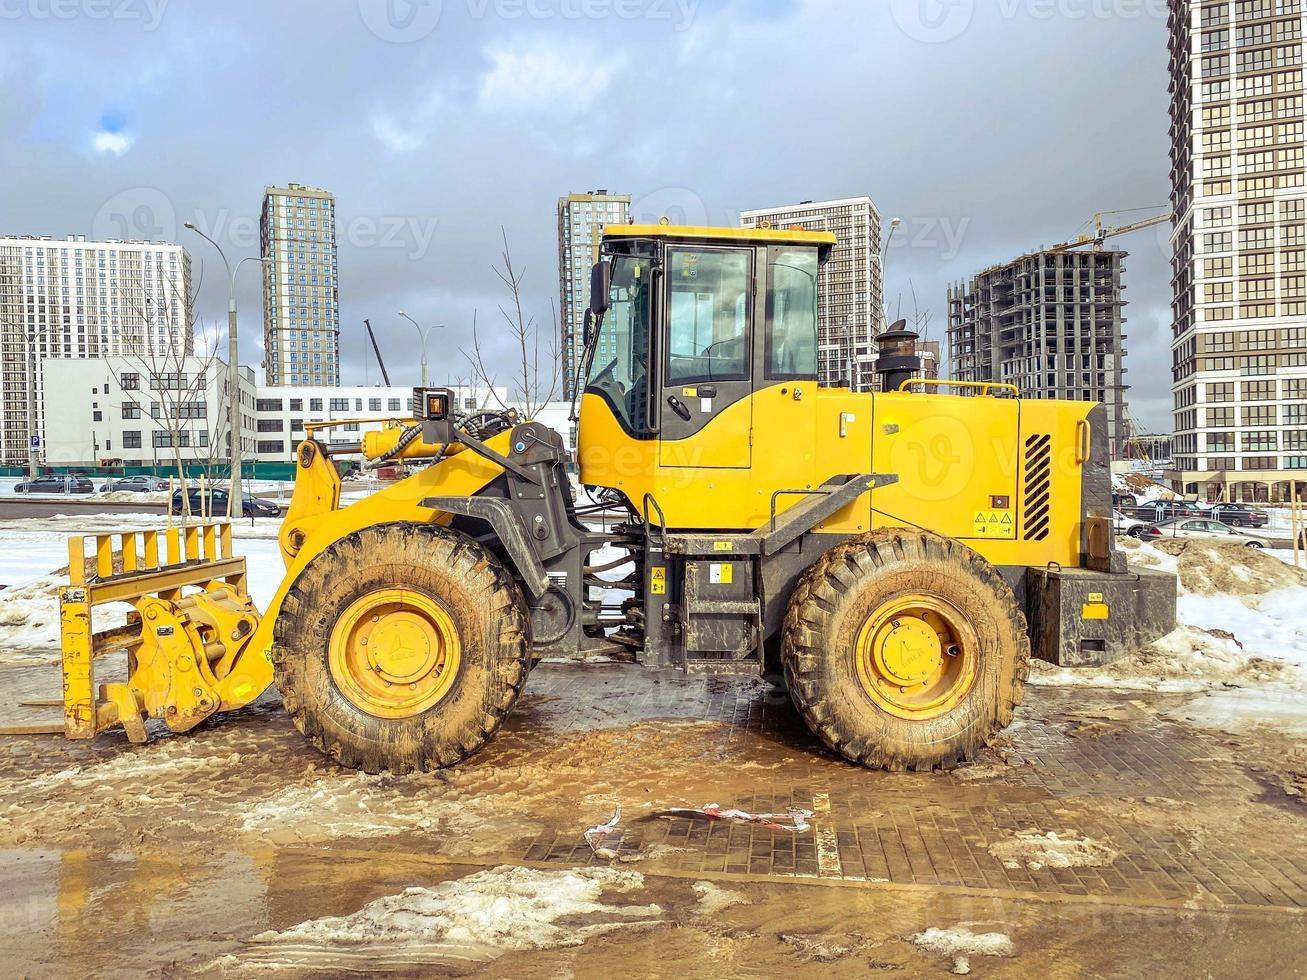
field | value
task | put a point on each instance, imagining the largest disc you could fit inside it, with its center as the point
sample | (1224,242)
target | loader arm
(315,520)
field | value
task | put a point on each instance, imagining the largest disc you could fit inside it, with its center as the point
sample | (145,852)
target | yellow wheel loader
(895,557)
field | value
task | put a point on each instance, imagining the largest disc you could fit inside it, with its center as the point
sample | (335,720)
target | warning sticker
(658,581)
(721,546)
(719,574)
(994,524)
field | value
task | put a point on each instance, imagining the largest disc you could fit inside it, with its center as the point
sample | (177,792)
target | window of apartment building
(1221,463)
(269,425)
(1219,343)
(267,405)
(1220,416)
(1216,15)
(1220,442)
(1259,415)
(156,410)
(1218,141)
(1216,65)
(1221,241)
(1257,364)
(358,404)
(192,410)
(1216,40)
(129,381)
(1296,439)
(130,410)
(315,404)
(297,404)
(1215,268)
(269,446)
(1295,389)
(1218,91)
(339,405)
(1260,442)
(1257,265)
(1218,292)
(1295,462)
(1294,414)
(296,425)
(1218,313)
(351,427)
(1257,311)
(374,404)
(132,439)
(168,381)
(1258,391)
(395,405)
(1257,238)
(1251,463)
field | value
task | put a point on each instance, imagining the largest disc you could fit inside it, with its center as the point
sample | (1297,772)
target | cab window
(791,349)
(708,315)
(619,364)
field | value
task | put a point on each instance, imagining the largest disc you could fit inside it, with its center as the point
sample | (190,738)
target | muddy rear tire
(453,622)
(863,618)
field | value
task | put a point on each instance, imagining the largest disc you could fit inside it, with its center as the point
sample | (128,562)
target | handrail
(985,386)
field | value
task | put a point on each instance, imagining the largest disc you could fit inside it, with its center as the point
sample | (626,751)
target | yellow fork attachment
(191,619)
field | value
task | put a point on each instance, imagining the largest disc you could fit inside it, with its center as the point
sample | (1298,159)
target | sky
(991,127)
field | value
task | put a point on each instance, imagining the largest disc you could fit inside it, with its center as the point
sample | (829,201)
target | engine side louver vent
(1038,486)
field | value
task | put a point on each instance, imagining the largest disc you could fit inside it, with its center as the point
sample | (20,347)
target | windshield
(619,363)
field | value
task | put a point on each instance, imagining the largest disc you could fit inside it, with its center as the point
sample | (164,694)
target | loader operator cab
(687,326)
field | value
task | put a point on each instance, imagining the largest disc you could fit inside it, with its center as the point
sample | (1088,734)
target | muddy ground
(1104,836)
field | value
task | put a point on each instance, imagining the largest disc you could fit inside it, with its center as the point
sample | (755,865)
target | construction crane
(1103,232)
(377,350)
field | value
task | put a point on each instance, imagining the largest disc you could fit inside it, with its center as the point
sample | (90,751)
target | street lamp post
(422,335)
(880,259)
(233,375)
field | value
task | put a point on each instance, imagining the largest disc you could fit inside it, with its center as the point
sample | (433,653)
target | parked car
(135,484)
(1157,511)
(56,484)
(1238,515)
(1133,527)
(217,504)
(1123,499)
(1204,530)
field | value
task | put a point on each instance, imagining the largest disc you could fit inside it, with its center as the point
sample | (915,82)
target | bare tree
(164,376)
(534,369)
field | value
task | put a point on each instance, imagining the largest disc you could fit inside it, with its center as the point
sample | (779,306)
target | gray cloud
(1002,131)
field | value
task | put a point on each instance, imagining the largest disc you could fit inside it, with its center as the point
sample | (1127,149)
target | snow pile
(1141,486)
(1035,851)
(960,944)
(29,619)
(477,919)
(1229,569)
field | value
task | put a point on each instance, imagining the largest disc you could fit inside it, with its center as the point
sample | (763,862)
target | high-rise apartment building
(301,312)
(1239,268)
(581,222)
(80,299)
(1049,323)
(850,286)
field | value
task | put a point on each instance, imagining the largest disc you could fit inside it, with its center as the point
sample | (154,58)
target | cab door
(785,377)
(705,413)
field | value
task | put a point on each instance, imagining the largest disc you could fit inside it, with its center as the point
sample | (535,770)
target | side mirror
(601,281)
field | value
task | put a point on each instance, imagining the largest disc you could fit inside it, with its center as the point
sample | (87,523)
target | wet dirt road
(1096,840)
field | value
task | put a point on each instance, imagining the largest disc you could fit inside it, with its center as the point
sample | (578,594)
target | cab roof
(698,233)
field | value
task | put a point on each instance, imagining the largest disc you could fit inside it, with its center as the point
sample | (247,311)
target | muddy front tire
(905,650)
(401,647)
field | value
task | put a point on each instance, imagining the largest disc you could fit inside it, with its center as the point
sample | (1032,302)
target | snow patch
(713,899)
(1036,851)
(477,918)
(960,944)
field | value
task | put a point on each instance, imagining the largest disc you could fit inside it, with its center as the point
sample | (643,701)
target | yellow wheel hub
(394,653)
(916,656)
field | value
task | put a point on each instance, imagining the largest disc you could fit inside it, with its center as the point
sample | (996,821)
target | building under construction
(1049,323)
